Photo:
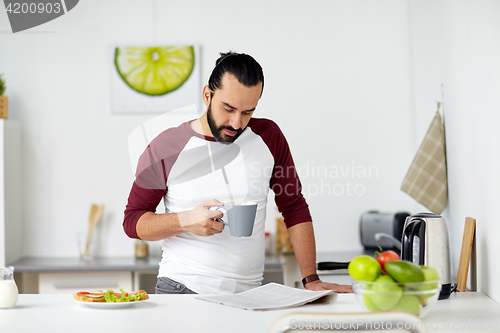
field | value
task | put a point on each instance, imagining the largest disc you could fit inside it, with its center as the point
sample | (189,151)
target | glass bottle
(8,288)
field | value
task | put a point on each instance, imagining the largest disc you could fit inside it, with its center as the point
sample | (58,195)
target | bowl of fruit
(386,283)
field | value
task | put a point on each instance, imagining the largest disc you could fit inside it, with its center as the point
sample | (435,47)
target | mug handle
(224,212)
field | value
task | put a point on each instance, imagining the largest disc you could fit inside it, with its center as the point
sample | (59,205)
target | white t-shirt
(185,168)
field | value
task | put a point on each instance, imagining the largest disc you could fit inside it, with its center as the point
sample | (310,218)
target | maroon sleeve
(140,201)
(152,173)
(285,181)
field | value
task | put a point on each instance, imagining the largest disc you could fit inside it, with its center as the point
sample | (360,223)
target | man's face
(230,108)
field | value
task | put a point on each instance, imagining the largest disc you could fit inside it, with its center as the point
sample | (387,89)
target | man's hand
(320,285)
(201,220)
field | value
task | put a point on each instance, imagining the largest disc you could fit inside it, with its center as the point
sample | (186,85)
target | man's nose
(235,121)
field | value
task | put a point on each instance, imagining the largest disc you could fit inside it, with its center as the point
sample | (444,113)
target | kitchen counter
(463,312)
(54,275)
(42,265)
(103,264)
(280,268)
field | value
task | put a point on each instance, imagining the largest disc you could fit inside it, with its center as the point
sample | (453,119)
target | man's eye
(247,113)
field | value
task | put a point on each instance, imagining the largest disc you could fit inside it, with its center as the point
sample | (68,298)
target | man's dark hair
(245,68)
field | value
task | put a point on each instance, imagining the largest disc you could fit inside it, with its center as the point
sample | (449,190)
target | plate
(109,305)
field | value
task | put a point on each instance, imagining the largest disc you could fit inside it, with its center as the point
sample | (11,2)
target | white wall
(456,44)
(338,82)
(10,192)
(2,196)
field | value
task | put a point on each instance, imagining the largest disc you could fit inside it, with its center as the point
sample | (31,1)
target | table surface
(462,312)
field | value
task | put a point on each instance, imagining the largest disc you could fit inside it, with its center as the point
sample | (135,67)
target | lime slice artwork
(155,71)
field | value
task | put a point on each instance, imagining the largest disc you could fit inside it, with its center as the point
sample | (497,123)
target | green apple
(431,282)
(408,304)
(386,293)
(364,268)
(430,274)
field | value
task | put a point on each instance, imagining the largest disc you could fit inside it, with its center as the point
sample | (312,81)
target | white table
(183,313)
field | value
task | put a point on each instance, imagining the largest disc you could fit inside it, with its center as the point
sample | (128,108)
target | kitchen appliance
(425,242)
(387,226)
(376,229)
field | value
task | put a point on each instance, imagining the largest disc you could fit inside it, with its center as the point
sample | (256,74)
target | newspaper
(271,296)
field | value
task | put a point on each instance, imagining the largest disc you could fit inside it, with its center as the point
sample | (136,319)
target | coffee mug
(240,217)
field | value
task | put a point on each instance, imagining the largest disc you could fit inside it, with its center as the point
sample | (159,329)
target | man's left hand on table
(320,285)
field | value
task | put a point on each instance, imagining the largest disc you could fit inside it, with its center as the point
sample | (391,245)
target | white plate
(109,305)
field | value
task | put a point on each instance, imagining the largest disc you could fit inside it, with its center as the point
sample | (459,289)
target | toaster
(389,225)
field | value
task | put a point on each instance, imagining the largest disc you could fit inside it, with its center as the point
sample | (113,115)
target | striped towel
(426,179)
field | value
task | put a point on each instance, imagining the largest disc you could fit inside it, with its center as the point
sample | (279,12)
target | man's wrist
(310,278)
(184,219)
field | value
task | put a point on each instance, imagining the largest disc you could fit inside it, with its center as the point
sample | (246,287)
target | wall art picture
(154,79)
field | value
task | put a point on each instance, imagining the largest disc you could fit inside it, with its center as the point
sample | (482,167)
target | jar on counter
(283,243)
(269,243)
(141,249)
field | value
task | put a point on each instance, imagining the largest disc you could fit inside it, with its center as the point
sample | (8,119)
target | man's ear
(207,95)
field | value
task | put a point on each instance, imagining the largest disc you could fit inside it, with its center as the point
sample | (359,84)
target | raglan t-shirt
(184,168)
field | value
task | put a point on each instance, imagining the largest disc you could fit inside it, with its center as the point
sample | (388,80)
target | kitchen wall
(338,82)
(456,59)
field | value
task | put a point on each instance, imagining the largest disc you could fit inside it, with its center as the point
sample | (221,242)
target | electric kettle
(425,242)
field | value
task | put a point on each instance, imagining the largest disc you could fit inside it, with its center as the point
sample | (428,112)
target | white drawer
(69,283)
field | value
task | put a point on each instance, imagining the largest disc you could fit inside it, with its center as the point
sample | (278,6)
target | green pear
(386,293)
(408,304)
(368,301)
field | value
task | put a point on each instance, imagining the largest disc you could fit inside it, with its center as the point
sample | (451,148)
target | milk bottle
(8,288)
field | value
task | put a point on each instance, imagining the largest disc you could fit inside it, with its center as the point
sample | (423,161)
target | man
(224,155)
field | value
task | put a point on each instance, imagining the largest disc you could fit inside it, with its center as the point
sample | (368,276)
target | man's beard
(217,131)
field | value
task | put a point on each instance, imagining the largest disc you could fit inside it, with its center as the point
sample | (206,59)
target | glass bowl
(416,298)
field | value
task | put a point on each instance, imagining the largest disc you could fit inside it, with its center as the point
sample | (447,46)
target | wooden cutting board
(468,244)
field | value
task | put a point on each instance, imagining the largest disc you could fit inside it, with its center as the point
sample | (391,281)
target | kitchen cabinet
(10,191)
(69,275)
(70,283)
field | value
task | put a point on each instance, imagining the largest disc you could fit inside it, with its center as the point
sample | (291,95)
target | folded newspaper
(271,296)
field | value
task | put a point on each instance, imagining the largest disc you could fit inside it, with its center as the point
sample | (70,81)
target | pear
(368,301)
(408,304)
(386,293)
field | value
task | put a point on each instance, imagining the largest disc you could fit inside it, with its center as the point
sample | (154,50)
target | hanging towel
(426,179)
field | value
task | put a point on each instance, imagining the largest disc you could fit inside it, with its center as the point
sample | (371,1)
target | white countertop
(183,313)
